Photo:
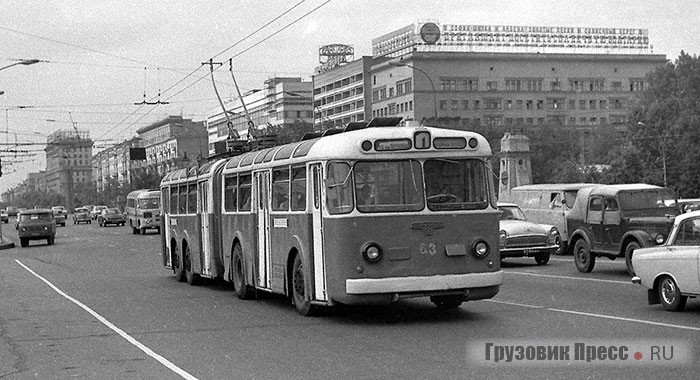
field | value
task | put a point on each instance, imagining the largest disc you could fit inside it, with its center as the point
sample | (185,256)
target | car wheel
(584,259)
(134,230)
(542,258)
(23,242)
(142,231)
(50,240)
(629,251)
(447,302)
(670,296)
(303,305)
(243,291)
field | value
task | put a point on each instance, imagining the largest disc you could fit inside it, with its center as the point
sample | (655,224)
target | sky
(99,57)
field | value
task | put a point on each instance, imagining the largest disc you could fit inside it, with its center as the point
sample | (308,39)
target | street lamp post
(432,84)
(25,62)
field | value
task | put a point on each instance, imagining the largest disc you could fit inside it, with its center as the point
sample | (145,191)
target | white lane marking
(569,277)
(114,328)
(603,316)
(598,262)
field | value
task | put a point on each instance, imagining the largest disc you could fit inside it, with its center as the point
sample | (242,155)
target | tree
(663,130)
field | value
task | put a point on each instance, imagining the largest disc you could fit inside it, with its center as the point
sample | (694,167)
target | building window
(493,120)
(465,104)
(636,85)
(448,84)
(528,105)
(471,84)
(540,104)
(602,104)
(556,86)
(617,104)
(555,104)
(591,104)
(582,104)
(512,85)
(443,104)
(476,105)
(572,104)
(572,121)
(454,105)
(518,104)
(617,86)
(491,85)
(492,104)
(509,104)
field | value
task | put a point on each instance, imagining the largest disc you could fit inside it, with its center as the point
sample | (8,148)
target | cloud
(311,27)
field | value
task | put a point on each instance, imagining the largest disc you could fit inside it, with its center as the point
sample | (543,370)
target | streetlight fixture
(435,107)
(25,62)
(663,148)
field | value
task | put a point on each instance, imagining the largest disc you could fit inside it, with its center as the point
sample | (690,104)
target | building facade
(341,94)
(172,143)
(68,162)
(281,103)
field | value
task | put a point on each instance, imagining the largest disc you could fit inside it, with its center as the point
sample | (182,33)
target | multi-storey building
(282,102)
(340,93)
(510,76)
(68,162)
(114,163)
(172,143)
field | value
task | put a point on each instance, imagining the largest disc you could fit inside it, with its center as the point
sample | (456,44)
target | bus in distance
(143,210)
(370,215)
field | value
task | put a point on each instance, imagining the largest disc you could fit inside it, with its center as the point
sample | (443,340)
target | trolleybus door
(317,226)
(165,225)
(203,211)
(261,199)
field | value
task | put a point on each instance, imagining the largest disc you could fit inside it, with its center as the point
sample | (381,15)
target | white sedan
(671,272)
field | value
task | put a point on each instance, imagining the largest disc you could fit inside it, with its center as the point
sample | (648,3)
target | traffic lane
(209,333)
(46,336)
(609,291)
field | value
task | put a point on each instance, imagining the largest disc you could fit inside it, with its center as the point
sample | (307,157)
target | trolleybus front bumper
(413,286)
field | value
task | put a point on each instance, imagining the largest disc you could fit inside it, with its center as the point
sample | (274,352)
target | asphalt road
(99,305)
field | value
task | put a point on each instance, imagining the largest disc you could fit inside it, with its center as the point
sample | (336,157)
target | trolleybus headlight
(473,142)
(659,239)
(366,145)
(481,248)
(502,238)
(372,252)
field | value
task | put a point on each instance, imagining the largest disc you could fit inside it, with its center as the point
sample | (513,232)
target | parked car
(96,211)
(548,203)
(4,217)
(670,272)
(111,216)
(687,205)
(60,215)
(521,238)
(81,215)
(615,220)
(36,224)
(12,211)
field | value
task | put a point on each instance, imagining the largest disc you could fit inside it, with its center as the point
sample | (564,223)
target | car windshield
(39,216)
(80,210)
(510,213)
(111,211)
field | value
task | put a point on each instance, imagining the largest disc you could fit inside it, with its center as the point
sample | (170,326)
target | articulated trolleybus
(371,215)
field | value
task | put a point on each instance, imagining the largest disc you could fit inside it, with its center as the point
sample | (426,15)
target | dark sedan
(111,216)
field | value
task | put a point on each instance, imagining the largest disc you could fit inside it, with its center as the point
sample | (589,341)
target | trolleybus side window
(456,184)
(165,199)
(244,184)
(280,189)
(192,199)
(173,199)
(382,186)
(299,188)
(230,193)
(339,188)
(182,200)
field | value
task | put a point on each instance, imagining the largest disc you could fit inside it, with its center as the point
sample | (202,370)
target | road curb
(6,244)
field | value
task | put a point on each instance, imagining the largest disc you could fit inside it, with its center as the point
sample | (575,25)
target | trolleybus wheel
(178,266)
(192,278)
(243,291)
(448,302)
(303,306)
